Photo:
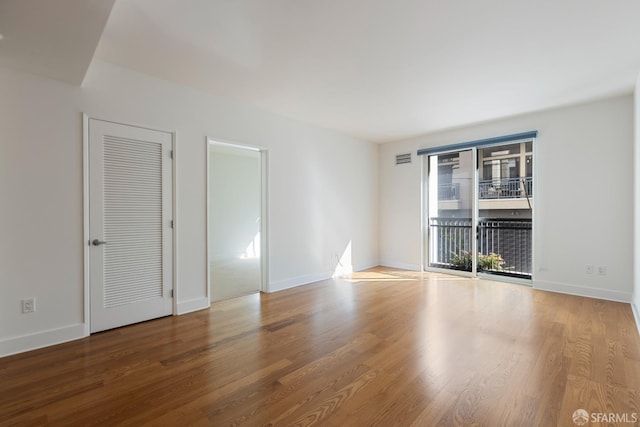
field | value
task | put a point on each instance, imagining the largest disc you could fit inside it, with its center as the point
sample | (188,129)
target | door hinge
(171,293)
(171,153)
(171,223)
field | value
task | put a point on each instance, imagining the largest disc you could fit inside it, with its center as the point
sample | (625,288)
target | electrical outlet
(29,305)
(588,269)
(602,270)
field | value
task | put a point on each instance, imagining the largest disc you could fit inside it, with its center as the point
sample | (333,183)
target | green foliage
(463,261)
(492,261)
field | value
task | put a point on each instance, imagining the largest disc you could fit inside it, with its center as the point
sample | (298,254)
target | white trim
(401,265)
(475,209)
(636,315)
(132,124)
(452,272)
(505,279)
(424,196)
(583,291)
(192,305)
(265,285)
(294,282)
(236,144)
(535,214)
(38,340)
(85,223)
(207,226)
(85,207)
(264,223)
(367,266)
(174,189)
(424,214)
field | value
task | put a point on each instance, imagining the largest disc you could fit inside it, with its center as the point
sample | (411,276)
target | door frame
(264,208)
(424,221)
(86,219)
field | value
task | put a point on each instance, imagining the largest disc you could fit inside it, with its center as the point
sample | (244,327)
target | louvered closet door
(130,205)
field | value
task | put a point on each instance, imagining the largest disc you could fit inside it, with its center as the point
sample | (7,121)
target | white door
(130,219)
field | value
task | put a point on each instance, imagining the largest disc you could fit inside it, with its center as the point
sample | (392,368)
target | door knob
(96,242)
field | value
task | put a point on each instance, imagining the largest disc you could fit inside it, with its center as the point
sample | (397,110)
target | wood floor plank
(382,347)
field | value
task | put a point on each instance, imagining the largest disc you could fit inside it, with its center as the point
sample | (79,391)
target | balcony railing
(449,191)
(509,238)
(506,188)
(450,238)
(504,245)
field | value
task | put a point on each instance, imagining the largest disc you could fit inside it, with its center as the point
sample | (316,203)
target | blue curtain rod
(479,142)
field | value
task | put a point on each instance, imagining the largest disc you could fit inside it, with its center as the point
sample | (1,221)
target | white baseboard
(401,265)
(636,315)
(365,266)
(293,282)
(38,340)
(281,285)
(195,304)
(583,291)
(51,337)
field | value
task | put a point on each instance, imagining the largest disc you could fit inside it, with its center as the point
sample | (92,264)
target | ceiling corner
(54,39)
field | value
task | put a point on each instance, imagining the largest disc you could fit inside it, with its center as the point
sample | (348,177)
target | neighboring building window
(447,189)
(507,171)
(498,169)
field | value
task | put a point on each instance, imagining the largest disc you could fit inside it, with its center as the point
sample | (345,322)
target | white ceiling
(379,69)
(53,38)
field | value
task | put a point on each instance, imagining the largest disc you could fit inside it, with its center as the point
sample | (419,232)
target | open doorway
(236,210)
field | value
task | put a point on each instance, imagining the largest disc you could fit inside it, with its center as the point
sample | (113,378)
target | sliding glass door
(451,210)
(505,202)
(479,210)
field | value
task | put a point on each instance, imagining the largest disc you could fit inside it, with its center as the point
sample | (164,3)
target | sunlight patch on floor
(375,276)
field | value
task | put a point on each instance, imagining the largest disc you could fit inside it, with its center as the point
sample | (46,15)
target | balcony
(506,188)
(507,193)
(449,196)
(504,245)
(449,191)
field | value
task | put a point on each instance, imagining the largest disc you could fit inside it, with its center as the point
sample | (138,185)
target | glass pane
(505,211)
(501,150)
(528,146)
(450,210)
(498,169)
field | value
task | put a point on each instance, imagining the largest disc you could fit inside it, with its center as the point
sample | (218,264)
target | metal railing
(504,245)
(506,188)
(450,240)
(510,239)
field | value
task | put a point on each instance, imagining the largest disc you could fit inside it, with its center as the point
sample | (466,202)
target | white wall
(583,202)
(322,189)
(234,202)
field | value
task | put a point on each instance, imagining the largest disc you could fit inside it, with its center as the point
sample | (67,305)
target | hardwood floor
(386,347)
